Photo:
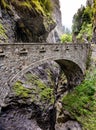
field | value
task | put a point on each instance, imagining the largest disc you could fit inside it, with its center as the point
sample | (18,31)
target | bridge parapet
(10,50)
(16,59)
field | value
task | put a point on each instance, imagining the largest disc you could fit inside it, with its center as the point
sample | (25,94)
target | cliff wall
(27,21)
(54,35)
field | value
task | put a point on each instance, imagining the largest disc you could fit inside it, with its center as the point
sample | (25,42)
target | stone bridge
(17,59)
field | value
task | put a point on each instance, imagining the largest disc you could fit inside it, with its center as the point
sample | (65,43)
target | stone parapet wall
(17,59)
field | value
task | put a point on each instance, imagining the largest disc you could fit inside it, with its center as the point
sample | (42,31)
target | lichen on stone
(34,89)
(3,36)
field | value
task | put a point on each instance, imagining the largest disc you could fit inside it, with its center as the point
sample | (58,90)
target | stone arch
(73,72)
(73,69)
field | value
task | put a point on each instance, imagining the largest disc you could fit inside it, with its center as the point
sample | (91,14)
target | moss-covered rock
(32,18)
(3,36)
(33,96)
(34,90)
(81,103)
(43,6)
(20,90)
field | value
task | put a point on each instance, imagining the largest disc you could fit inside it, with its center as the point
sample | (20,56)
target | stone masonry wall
(17,59)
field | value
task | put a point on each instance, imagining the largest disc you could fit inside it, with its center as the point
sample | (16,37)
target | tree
(82,23)
(85,33)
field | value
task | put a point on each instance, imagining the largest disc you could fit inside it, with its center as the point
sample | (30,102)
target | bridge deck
(18,58)
(71,44)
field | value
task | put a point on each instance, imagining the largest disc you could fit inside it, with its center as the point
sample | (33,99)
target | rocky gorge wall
(55,34)
(32,101)
(29,106)
(22,23)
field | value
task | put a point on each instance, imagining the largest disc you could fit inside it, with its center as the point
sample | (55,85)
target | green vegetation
(4,4)
(43,6)
(20,90)
(86,31)
(87,14)
(2,32)
(82,23)
(81,103)
(47,5)
(38,91)
(45,92)
(66,38)
(77,21)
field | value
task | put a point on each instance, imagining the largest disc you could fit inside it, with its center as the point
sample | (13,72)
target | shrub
(66,38)
(81,103)
(85,32)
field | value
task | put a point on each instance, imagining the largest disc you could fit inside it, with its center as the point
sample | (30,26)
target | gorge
(33,87)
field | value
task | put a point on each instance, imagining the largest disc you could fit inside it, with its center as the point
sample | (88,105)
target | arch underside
(72,70)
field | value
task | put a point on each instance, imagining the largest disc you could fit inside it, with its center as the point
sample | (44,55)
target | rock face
(54,35)
(19,118)
(7,27)
(23,24)
(89,2)
(70,125)
(30,105)
(32,101)
(26,117)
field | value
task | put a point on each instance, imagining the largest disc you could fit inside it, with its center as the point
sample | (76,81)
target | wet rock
(30,102)
(27,117)
(17,119)
(69,125)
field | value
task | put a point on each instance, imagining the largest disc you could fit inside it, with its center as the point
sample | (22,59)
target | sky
(68,9)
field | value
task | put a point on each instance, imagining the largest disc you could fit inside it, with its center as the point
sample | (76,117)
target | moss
(4,3)
(2,33)
(49,21)
(50,77)
(38,91)
(47,5)
(25,4)
(2,30)
(33,4)
(41,6)
(45,92)
(81,103)
(20,90)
